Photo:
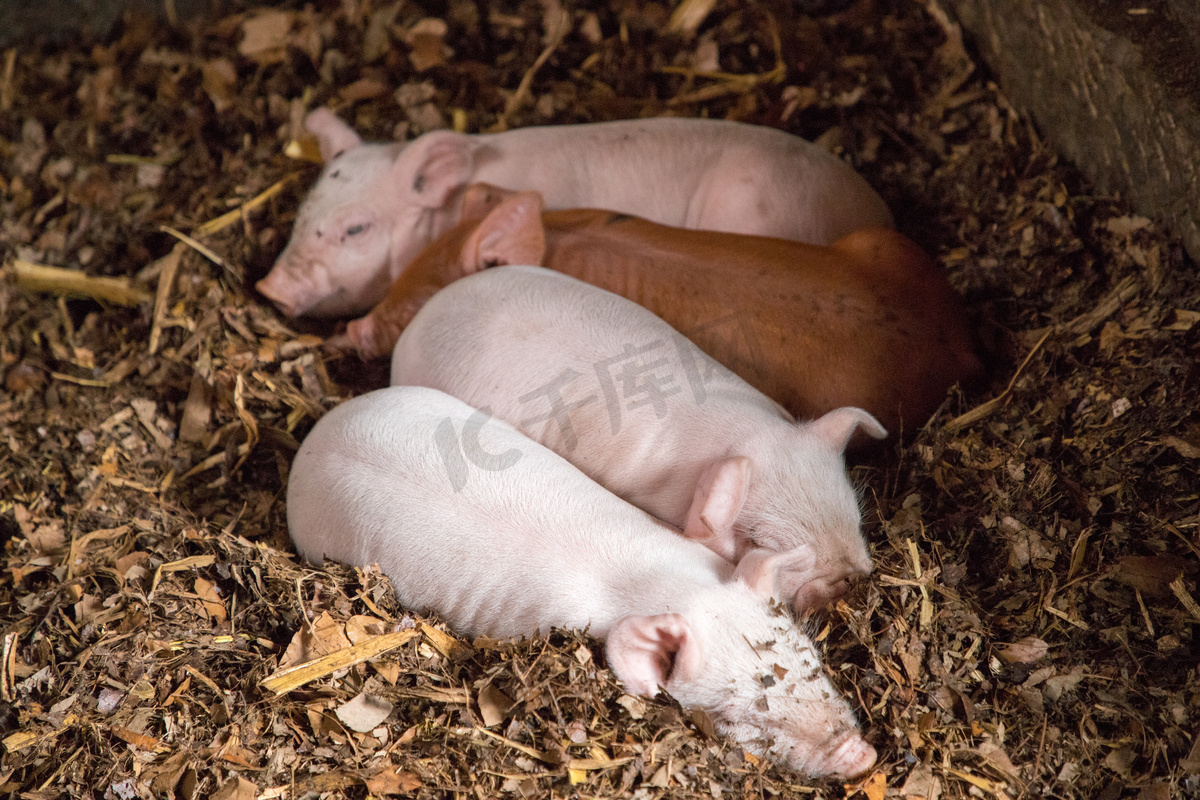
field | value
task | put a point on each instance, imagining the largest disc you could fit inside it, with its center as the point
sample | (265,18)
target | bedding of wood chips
(1030,627)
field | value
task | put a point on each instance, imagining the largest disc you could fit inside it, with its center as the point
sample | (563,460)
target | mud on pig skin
(376,206)
(869,321)
(528,543)
(644,412)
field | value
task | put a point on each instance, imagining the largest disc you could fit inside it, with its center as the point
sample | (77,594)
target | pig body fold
(527,542)
(869,321)
(641,410)
(375,206)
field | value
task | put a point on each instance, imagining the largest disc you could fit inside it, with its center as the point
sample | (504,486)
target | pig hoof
(339,342)
(852,758)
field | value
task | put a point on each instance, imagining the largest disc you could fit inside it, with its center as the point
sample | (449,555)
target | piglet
(869,321)
(375,206)
(645,413)
(503,538)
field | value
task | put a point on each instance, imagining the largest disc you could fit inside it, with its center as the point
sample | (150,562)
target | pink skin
(512,540)
(376,206)
(730,467)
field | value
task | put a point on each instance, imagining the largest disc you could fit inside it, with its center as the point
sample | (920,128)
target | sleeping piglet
(503,538)
(375,206)
(645,413)
(869,321)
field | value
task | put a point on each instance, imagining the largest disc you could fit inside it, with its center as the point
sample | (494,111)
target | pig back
(522,543)
(597,379)
(869,322)
(696,173)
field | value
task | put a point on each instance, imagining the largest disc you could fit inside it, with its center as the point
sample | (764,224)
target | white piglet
(503,538)
(644,412)
(376,206)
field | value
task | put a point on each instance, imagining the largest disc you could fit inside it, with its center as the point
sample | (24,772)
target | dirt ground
(1029,629)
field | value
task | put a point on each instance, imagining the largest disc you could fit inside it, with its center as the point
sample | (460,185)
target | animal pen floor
(1030,627)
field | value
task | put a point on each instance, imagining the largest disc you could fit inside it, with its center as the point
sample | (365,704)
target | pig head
(374,207)
(789,493)
(754,673)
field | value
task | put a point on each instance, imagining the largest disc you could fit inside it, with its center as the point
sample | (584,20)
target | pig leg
(375,334)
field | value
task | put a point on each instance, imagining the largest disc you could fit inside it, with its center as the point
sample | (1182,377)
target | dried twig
(72,282)
(983,410)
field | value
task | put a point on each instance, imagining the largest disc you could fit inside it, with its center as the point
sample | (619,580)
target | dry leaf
(1185,320)
(1026,651)
(87,608)
(703,722)
(494,705)
(214,606)
(921,783)
(391,780)
(577,732)
(377,39)
(364,713)
(1123,226)
(323,636)
(875,787)
(1028,547)
(1159,790)
(426,43)
(995,755)
(388,670)
(1191,762)
(220,82)
(636,706)
(197,410)
(361,627)
(49,538)
(1151,575)
(265,36)
(1055,686)
(166,775)
(364,89)
(1120,760)
(236,788)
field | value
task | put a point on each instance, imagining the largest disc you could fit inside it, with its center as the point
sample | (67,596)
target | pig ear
(511,233)
(443,161)
(334,137)
(837,427)
(720,495)
(480,198)
(646,653)
(760,569)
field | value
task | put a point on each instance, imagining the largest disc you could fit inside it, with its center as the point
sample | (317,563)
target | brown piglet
(869,321)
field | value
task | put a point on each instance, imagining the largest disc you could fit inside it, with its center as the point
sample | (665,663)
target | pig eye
(355,230)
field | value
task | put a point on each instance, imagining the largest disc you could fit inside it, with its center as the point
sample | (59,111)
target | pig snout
(281,291)
(825,590)
(848,757)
